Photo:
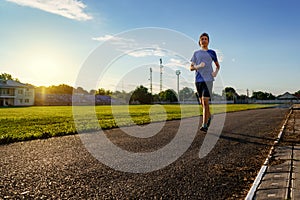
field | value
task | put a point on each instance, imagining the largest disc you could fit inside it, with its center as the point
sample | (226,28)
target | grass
(27,123)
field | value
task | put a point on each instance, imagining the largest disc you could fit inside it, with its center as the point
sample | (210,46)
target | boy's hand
(214,74)
(196,67)
(201,65)
(192,68)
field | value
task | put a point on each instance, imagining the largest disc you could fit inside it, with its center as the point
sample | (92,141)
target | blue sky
(46,42)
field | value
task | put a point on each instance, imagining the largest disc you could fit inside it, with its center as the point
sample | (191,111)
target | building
(13,93)
(287,96)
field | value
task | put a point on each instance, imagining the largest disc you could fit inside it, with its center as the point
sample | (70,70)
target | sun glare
(46,67)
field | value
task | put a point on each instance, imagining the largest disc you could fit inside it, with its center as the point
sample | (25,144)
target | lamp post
(178,73)
(161,66)
(150,80)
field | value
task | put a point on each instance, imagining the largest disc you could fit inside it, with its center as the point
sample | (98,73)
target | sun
(46,67)
(47,63)
(42,62)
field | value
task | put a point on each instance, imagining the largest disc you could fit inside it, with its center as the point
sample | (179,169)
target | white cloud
(175,61)
(131,47)
(72,9)
(103,38)
(178,62)
(118,41)
(146,52)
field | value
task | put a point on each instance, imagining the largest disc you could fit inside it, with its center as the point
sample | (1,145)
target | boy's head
(203,39)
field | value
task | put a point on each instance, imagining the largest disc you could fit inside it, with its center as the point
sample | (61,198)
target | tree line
(142,95)
(231,94)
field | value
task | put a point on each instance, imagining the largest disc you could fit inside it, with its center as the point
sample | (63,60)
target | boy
(204,76)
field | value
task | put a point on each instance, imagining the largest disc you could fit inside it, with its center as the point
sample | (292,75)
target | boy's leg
(204,90)
(206,110)
(207,93)
(206,97)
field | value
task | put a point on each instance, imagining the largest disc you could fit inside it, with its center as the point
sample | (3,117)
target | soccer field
(26,123)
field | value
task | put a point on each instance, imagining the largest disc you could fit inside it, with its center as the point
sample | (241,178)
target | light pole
(161,66)
(178,73)
(151,80)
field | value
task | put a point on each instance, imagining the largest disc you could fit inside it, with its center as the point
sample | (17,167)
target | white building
(13,93)
(287,96)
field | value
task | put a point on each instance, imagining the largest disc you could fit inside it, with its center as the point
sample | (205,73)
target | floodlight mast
(178,73)
(161,66)
(151,80)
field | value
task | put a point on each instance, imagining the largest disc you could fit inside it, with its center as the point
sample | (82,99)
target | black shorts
(204,89)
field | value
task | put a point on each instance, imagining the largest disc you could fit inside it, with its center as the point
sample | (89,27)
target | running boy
(204,76)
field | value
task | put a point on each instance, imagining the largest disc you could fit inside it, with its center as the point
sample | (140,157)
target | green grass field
(26,123)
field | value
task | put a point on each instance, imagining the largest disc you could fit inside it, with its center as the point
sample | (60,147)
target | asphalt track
(62,168)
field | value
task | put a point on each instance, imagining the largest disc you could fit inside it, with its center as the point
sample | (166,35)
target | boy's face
(203,41)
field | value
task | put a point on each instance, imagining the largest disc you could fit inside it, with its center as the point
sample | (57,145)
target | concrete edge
(264,167)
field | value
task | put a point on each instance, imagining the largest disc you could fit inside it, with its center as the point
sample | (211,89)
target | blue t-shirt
(203,74)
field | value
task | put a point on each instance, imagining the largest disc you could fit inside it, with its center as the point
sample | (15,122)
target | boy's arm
(192,68)
(214,74)
(196,67)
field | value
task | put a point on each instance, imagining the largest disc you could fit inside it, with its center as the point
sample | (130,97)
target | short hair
(203,34)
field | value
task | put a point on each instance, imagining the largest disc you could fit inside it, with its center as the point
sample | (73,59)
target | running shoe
(204,129)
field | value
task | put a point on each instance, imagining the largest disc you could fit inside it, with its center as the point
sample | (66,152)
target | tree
(141,95)
(60,89)
(5,77)
(217,97)
(186,93)
(156,98)
(102,91)
(93,92)
(297,94)
(229,93)
(262,96)
(168,95)
(80,90)
(121,96)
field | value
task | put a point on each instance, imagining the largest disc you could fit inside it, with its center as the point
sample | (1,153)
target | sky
(112,44)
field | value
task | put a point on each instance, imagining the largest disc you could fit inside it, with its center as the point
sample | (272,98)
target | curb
(264,167)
